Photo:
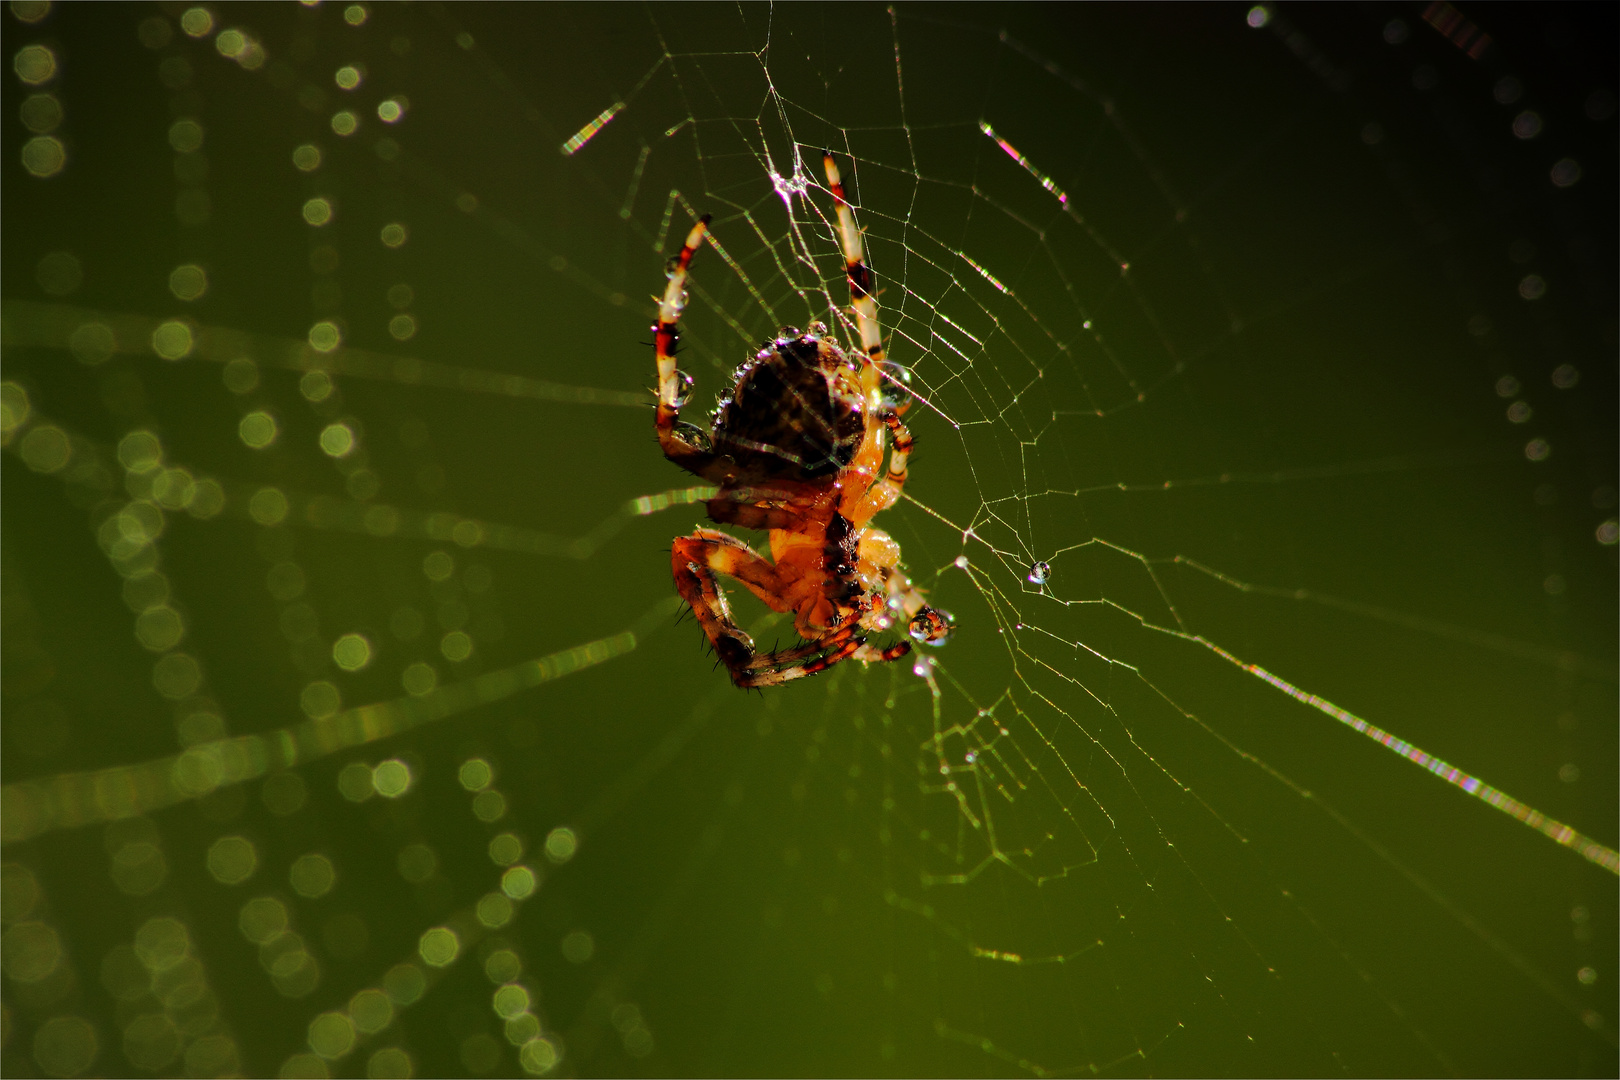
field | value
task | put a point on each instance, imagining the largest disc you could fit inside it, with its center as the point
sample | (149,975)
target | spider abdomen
(796,412)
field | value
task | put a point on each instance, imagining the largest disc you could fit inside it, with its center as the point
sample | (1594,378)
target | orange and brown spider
(797,449)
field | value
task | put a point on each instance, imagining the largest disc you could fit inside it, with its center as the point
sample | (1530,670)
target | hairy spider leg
(699,560)
(666,334)
(886,492)
(861,296)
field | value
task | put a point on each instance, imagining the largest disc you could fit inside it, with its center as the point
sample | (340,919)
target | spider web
(1264,379)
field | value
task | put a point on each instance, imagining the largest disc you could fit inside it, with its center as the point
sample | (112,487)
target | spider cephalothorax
(797,449)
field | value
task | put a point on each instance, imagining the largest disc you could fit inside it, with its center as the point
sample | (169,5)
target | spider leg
(862,297)
(673,388)
(726,511)
(696,561)
(844,651)
(873,655)
(886,492)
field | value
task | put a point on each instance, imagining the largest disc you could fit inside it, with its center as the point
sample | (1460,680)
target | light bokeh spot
(347,77)
(331,1035)
(14,408)
(258,429)
(521,1028)
(494,910)
(561,844)
(176,676)
(315,386)
(159,628)
(45,449)
(65,1045)
(456,646)
(539,1055)
(402,327)
(60,273)
(19,894)
(325,336)
(318,211)
(151,1041)
(320,699)
(502,966)
(404,984)
(262,919)
(34,64)
(139,868)
(337,440)
(304,1066)
(44,156)
(306,157)
(161,943)
(30,11)
(439,947)
(345,122)
(241,376)
(505,849)
(417,863)
(351,652)
(438,565)
(188,282)
(390,110)
(510,1000)
(312,876)
(186,136)
(392,778)
(371,1011)
(197,22)
(354,782)
(140,451)
(92,343)
(578,947)
(41,113)
(355,14)
(519,882)
(30,952)
(268,506)
(475,774)
(172,340)
(419,678)
(389,1063)
(489,805)
(394,235)
(232,859)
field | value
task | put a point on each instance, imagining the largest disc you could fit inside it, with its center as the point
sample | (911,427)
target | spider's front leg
(862,297)
(673,387)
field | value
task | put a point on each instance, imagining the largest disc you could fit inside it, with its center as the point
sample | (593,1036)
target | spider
(797,449)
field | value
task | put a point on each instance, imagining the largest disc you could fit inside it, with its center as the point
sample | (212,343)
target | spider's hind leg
(697,562)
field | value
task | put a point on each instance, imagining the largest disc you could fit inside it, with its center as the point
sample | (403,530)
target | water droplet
(1040,573)
(692,434)
(672,267)
(932,626)
(896,389)
(818,329)
(922,666)
(683,388)
(971,756)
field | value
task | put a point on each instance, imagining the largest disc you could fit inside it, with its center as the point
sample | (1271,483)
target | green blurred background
(325,382)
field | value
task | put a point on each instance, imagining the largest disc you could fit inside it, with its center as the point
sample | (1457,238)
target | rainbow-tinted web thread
(1557,831)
